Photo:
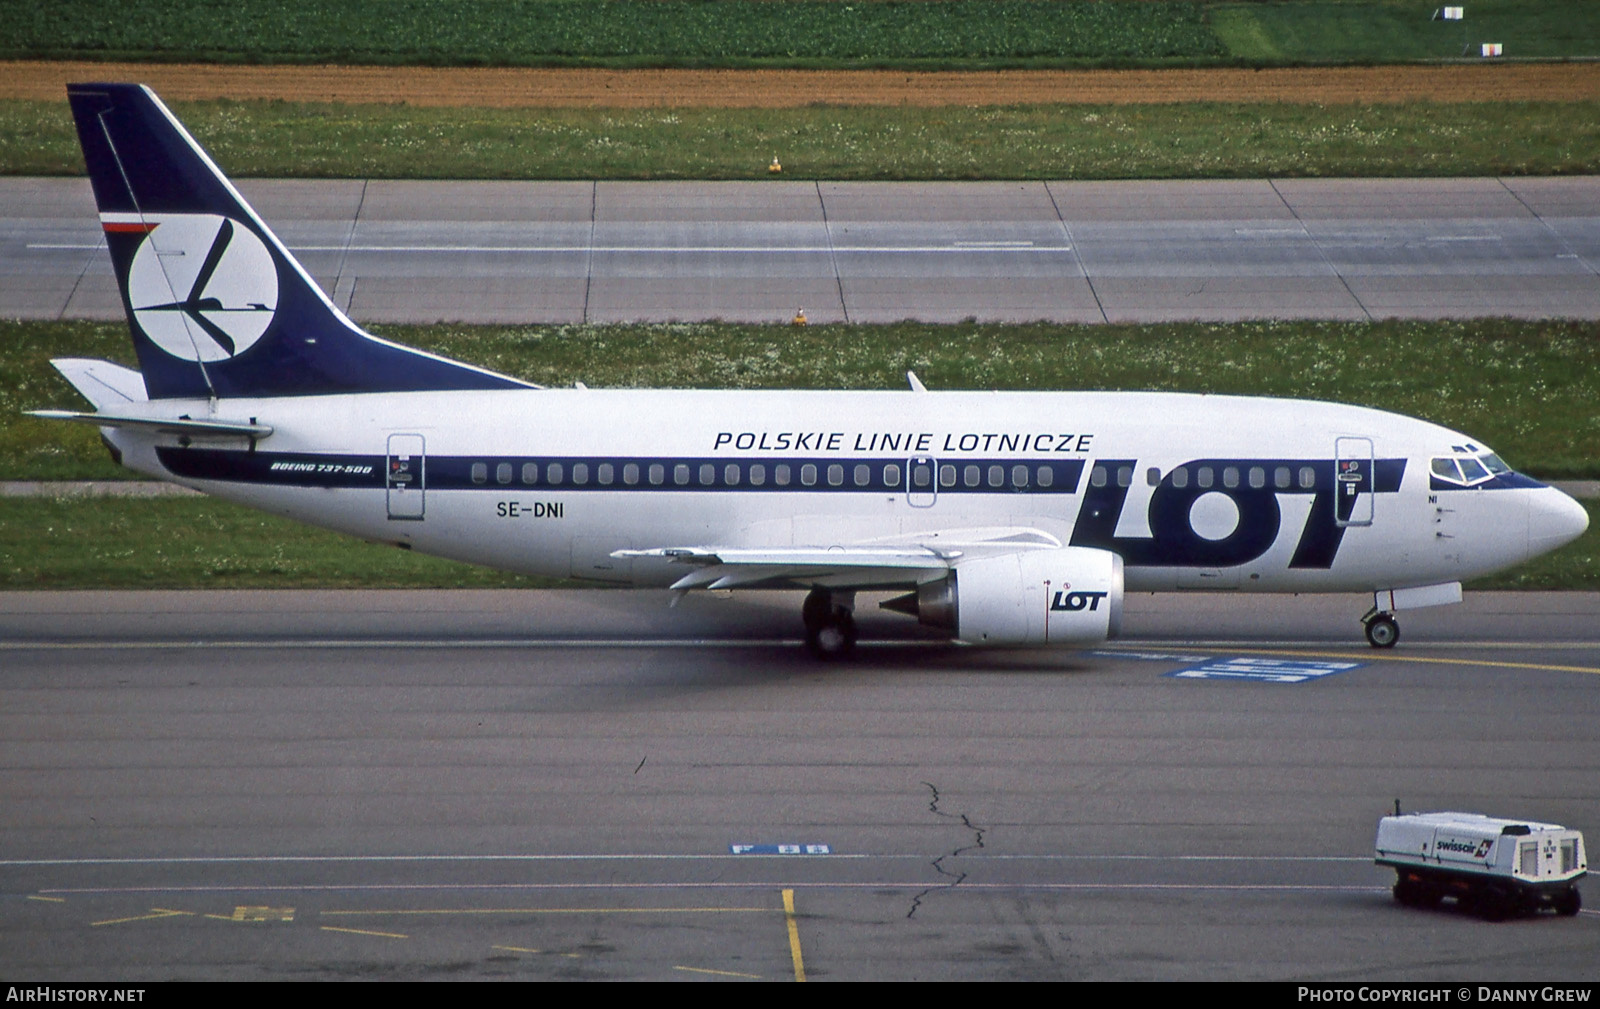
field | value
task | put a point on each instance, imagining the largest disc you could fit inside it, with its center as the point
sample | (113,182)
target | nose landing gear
(1382,630)
(830,623)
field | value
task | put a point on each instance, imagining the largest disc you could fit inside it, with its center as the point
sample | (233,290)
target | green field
(168,543)
(950,34)
(1530,389)
(1200,140)
(1351,31)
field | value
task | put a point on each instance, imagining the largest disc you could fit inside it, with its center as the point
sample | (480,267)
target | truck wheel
(1492,905)
(1569,903)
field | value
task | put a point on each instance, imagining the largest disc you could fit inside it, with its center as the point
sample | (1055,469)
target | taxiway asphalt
(426,785)
(561,252)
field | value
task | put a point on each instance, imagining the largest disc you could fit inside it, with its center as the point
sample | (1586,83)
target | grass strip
(627,33)
(949,34)
(199,543)
(170,543)
(1180,141)
(1400,31)
(1529,389)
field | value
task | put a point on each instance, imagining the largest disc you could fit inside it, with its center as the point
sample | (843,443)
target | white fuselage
(1193,491)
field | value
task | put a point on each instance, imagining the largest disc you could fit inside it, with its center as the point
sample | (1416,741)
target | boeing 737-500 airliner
(1003,518)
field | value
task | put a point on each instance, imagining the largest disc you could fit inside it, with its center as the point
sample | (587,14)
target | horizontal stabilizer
(164,425)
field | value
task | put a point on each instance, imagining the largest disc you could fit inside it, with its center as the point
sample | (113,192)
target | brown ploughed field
(522,87)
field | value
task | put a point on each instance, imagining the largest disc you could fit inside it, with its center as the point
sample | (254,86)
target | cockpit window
(1468,470)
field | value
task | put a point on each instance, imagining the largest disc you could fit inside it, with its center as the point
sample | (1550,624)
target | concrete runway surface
(553,252)
(432,785)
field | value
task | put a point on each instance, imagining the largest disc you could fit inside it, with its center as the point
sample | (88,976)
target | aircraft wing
(881,564)
(787,567)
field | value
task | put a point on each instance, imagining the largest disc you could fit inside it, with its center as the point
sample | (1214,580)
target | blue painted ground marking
(1264,669)
(780,849)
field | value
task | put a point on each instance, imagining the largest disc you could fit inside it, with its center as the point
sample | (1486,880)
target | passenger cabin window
(1180,477)
(607,473)
(554,473)
(480,472)
(680,474)
(1047,476)
(1258,477)
(580,473)
(658,474)
(530,472)
(1308,477)
(708,474)
(1097,476)
(758,474)
(780,474)
(730,474)
(502,473)
(1203,478)
(1152,477)
(891,475)
(1281,477)
(971,476)
(630,474)
(1124,476)
(836,475)
(947,475)
(808,474)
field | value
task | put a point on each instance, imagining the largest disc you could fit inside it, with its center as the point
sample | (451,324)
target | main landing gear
(1382,631)
(830,623)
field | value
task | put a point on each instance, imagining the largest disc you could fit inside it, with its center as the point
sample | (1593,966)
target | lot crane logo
(202,287)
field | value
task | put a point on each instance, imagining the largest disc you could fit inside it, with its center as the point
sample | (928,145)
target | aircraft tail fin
(106,385)
(216,304)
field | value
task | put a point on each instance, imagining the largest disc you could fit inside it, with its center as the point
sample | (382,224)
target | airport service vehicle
(1002,518)
(1499,867)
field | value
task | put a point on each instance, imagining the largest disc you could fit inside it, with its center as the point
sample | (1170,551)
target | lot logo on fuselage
(1231,522)
(202,287)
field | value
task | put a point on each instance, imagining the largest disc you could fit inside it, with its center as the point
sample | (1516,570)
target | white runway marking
(881,884)
(920,858)
(658,250)
(1354,649)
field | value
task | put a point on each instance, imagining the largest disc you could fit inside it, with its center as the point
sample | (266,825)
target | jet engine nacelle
(1070,596)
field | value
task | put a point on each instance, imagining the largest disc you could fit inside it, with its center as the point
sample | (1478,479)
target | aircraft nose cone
(1554,520)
